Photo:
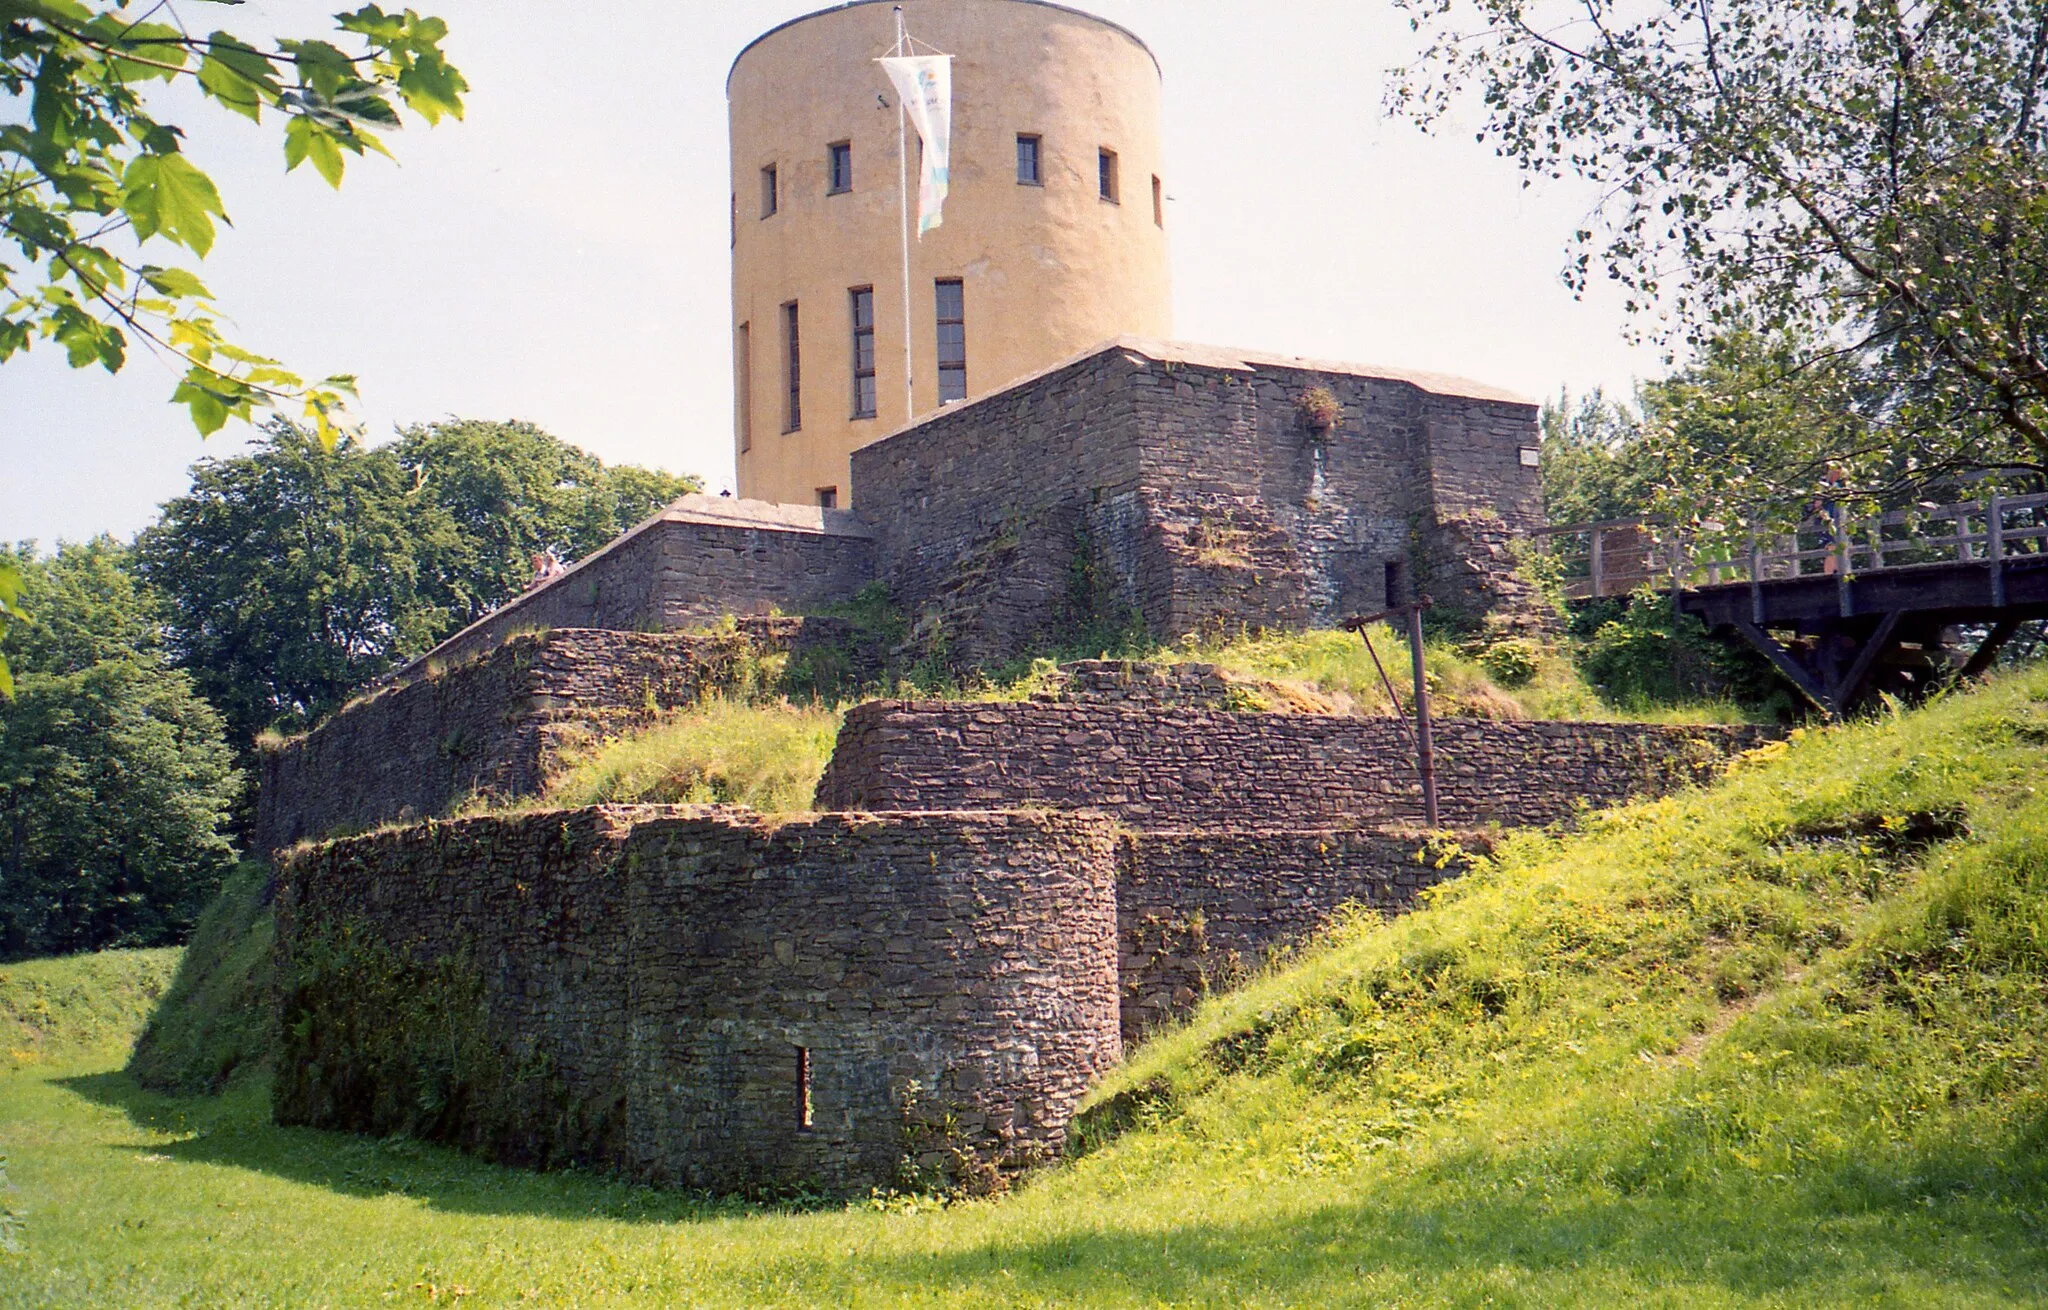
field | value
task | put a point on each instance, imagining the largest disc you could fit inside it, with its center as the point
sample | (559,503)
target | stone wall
(1191,768)
(1199,912)
(632,988)
(702,558)
(495,725)
(1176,487)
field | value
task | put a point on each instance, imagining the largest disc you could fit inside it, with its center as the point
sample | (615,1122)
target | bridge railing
(1615,557)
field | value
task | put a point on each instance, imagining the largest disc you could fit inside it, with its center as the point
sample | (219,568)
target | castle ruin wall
(496,725)
(706,997)
(1190,768)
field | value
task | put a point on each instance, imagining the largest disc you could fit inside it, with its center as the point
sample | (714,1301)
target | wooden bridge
(1845,607)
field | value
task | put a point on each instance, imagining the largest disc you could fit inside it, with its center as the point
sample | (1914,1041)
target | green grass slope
(1779,1043)
(214,1023)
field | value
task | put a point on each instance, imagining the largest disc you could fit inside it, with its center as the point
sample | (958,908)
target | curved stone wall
(706,997)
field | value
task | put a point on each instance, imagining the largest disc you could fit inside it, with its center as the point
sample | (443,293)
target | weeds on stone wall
(374,1042)
(938,1159)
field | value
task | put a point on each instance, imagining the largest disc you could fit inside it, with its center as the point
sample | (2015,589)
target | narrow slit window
(863,299)
(771,192)
(793,414)
(1158,201)
(1105,174)
(952,352)
(839,166)
(743,385)
(803,1088)
(1030,170)
(1393,583)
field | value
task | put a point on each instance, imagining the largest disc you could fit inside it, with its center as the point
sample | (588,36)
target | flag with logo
(924,85)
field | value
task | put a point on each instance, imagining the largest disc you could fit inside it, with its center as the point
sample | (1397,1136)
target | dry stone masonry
(1203,768)
(706,997)
(497,725)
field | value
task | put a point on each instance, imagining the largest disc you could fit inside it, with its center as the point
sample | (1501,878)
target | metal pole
(903,190)
(1425,750)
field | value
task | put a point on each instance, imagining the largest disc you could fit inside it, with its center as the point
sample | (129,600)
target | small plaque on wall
(1531,457)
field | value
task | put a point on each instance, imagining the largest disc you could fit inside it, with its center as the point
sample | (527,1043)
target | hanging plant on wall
(1318,409)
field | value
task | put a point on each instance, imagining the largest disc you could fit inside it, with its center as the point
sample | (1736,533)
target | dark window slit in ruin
(803,1088)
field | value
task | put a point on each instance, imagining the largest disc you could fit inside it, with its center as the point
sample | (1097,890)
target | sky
(561,254)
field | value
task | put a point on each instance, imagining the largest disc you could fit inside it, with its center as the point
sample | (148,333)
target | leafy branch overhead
(1859,187)
(94,178)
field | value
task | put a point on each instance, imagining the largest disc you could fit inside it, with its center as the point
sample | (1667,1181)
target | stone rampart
(1191,768)
(700,559)
(1178,486)
(1198,912)
(495,725)
(705,997)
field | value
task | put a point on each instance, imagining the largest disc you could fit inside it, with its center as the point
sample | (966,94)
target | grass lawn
(1779,1043)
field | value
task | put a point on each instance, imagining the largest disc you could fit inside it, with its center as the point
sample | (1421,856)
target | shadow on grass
(1968,1218)
(235,1129)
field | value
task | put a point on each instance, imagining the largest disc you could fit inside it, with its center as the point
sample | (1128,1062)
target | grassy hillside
(1779,1043)
(214,1023)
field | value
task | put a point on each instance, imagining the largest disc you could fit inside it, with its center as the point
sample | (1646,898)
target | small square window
(1105,174)
(1030,170)
(828,498)
(839,167)
(771,195)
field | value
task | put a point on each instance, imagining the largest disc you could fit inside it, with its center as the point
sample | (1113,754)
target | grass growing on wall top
(1777,1044)
(766,755)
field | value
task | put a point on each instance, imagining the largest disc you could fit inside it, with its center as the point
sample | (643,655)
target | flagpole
(903,191)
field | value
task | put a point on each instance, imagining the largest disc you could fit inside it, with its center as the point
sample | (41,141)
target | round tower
(1054,236)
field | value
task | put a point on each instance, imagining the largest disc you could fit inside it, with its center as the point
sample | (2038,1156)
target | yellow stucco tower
(1054,236)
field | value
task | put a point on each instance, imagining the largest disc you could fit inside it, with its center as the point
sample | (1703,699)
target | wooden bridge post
(1599,563)
(1994,545)
(1848,601)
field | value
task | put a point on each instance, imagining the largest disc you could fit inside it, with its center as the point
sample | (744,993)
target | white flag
(924,84)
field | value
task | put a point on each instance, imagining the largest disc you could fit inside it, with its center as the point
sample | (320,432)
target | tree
(1595,467)
(115,779)
(1859,187)
(512,491)
(296,573)
(94,178)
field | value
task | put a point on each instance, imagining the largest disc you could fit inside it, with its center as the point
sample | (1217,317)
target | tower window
(839,165)
(863,299)
(952,353)
(1158,202)
(743,362)
(803,1088)
(1029,171)
(828,498)
(793,415)
(1105,174)
(771,195)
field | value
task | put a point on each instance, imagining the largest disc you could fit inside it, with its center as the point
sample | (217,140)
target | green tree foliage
(296,573)
(293,574)
(1860,184)
(511,491)
(115,778)
(94,181)
(1595,466)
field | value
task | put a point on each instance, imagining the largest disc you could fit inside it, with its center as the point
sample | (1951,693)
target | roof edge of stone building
(1231,360)
(696,507)
(1135,39)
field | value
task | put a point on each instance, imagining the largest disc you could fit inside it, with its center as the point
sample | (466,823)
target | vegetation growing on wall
(404,1046)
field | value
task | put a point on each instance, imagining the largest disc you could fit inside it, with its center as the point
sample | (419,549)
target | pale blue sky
(561,256)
